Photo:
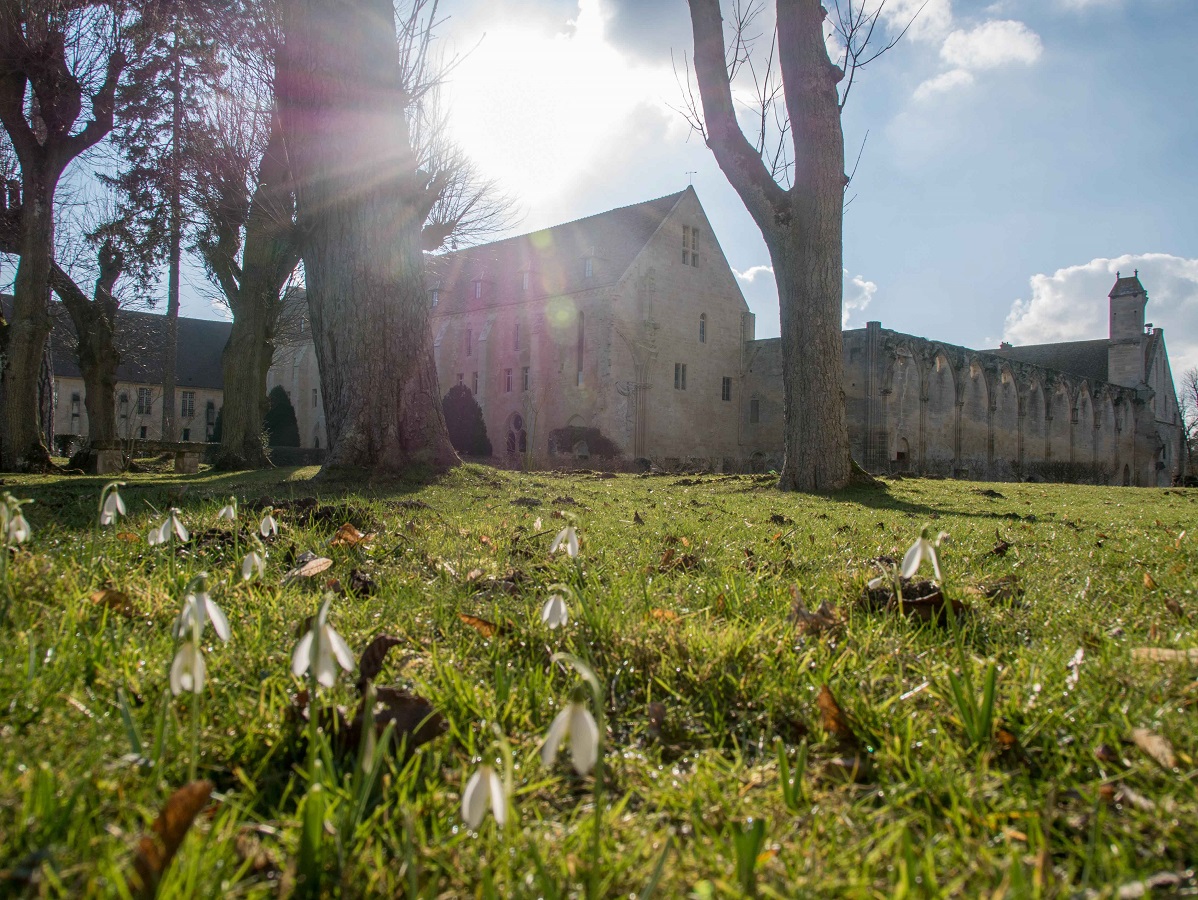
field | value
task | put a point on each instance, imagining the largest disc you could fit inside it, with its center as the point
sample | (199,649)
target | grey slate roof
(553,257)
(140,339)
(1127,286)
(1087,359)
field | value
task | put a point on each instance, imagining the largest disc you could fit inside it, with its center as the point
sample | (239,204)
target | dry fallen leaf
(349,536)
(834,719)
(129,537)
(375,655)
(1155,746)
(664,615)
(155,851)
(483,627)
(636,519)
(1149,581)
(310,568)
(1121,794)
(117,601)
(414,719)
(822,620)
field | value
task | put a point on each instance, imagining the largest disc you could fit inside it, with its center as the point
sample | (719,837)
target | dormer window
(476,289)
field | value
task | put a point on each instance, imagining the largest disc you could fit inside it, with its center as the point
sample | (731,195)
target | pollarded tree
(792,182)
(54,54)
(362,200)
(464,419)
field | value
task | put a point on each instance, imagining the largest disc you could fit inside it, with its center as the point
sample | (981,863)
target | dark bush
(280,422)
(464,419)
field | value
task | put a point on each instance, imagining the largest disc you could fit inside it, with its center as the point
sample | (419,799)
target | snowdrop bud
(268,526)
(252,565)
(567,539)
(555,612)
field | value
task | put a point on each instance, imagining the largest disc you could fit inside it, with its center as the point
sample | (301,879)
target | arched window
(703,328)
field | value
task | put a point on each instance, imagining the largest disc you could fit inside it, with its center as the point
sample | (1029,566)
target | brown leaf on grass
(117,601)
(1155,746)
(1122,795)
(308,569)
(664,615)
(1006,587)
(822,620)
(375,654)
(636,518)
(414,718)
(484,627)
(349,536)
(1174,607)
(1149,581)
(1165,654)
(835,721)
(129,537)
(156,850)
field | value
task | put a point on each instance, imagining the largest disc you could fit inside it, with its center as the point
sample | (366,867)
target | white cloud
(750,275)
(761,293)
(931,23)
(1071,304)
(945,81)
(857,294)
(1083,5)
(992,44)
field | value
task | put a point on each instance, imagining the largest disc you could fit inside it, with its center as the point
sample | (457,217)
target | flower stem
(195,737)
(593,886)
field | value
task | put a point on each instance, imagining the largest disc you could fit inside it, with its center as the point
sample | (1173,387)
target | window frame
(680,376)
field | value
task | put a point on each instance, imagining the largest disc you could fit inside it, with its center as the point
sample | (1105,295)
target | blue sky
(1018,153)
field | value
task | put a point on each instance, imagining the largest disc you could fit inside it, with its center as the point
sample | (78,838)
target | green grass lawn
(726,768)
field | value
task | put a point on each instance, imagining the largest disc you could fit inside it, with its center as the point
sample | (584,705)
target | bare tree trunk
(361,203)
(801,226)
(170,353)
(269,258)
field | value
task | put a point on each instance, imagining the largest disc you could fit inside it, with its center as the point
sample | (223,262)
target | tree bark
(361,203)
(170,353)
(269,258)
(801,226)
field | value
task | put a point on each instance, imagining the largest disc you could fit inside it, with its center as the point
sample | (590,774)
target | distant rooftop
(1087,359)
(1125,287)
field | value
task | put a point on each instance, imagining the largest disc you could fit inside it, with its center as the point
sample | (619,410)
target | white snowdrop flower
(18,529)
(198,610)
(158,534)
(188,669)
(484,790)
(177,524)
(229,510)
(923,548)
(111,504)
(320,648)
(252,565)
(268,526)
(576,723)
(536,526)
(554,612)
(566,539)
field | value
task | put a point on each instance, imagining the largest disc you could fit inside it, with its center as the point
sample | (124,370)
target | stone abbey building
(626,334)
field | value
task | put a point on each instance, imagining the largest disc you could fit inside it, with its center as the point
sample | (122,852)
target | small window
(469,342)
(75,400)
(695,247)
(476,290)
(461,378)
(210,412)
(187,404)
(588,267)
(525,279)
(144,402)
(686,245)
(726,389)
(435,297)
(123,405)
(516,337)
(141,432)
(474,383)
(314,398)
(703,328)
(187,434)
(524,379)
(754,411)
(507,381)
(680,376)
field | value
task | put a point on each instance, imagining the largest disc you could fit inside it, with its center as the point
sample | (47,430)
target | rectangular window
(75,399)
(525,278)
(695,247)
(187,434)
(461,378)
(703,328)
(474,383)
(477,290)
(141,432)
(754,411)
(588,267)
(187,404)
(524,379)
(680,376)
(726,389)
(144,402)
(314,398)
(516,337)
(507,380)
(686,245)
(123,405)
(469,342)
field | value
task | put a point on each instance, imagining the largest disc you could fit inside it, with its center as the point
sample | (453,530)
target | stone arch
(1033,422)
(516,434)
(1005,426)
(1083,431)
(940,414)
(975,419)
(1060,424)
(902,388)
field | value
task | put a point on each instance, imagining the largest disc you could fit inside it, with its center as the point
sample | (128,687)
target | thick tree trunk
(801,226)
(23,341)
(361,203)
(170,353)
(269,258)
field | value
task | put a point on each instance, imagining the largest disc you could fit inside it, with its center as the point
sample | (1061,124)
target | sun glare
(533,109)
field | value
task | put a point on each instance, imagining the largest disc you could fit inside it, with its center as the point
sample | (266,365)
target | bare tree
(791,179)
(1187,402)
(64,51)
(362,200)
